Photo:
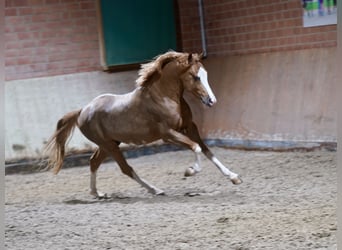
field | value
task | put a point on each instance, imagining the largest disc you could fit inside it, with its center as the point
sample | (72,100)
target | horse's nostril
(212,101)
(209,101)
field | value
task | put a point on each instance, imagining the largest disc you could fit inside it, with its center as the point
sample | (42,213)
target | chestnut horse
(155,110)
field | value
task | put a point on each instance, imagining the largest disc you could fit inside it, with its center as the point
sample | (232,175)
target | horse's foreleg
(196,168)
(179,138)
(129,171)
(95,160)
(193,134)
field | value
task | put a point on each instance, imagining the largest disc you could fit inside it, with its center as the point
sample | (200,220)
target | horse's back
(105,104)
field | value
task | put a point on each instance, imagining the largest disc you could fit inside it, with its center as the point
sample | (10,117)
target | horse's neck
(168,87)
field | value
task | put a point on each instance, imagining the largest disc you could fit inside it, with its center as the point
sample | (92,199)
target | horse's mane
(151,71)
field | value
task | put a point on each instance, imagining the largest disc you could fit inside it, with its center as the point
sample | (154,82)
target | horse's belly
(136,135)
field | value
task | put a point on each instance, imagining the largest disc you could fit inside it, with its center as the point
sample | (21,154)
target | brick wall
(50,37)
(55,37)
(236,27)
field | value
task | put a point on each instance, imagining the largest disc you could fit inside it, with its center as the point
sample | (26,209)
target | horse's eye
(196,78)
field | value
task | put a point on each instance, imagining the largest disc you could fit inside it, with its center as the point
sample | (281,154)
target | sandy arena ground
(287,201)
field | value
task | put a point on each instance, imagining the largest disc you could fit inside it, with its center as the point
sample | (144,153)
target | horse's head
(195,80)
(183,66)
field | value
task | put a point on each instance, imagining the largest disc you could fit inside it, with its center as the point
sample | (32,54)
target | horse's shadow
(187,196)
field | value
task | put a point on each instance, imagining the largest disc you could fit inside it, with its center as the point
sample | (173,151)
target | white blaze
(203,75)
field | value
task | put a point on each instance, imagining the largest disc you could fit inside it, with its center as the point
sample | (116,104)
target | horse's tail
(56,144)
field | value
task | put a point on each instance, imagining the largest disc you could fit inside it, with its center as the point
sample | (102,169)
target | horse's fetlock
(197,149)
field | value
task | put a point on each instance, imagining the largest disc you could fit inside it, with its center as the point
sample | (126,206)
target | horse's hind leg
(129,171)
(193,134)
(95,161)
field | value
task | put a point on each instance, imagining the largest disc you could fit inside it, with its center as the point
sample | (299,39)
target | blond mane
(151,71)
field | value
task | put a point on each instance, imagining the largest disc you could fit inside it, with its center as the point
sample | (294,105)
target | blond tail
(55,147)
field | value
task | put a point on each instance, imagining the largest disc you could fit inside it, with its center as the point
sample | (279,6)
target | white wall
(33,107)
(286,95)
(289,96)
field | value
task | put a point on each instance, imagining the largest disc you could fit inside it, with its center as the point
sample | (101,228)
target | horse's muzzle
(209,101)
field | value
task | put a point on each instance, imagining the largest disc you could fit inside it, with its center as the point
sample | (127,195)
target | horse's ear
(201,55)
(190,58)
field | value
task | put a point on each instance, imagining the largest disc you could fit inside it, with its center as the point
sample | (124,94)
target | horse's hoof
(102,196)
(159,192)
(236,180)
(99,195)
(189,172)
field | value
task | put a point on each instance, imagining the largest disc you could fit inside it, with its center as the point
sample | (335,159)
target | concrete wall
(33,107)
(287,96)
(281,96)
